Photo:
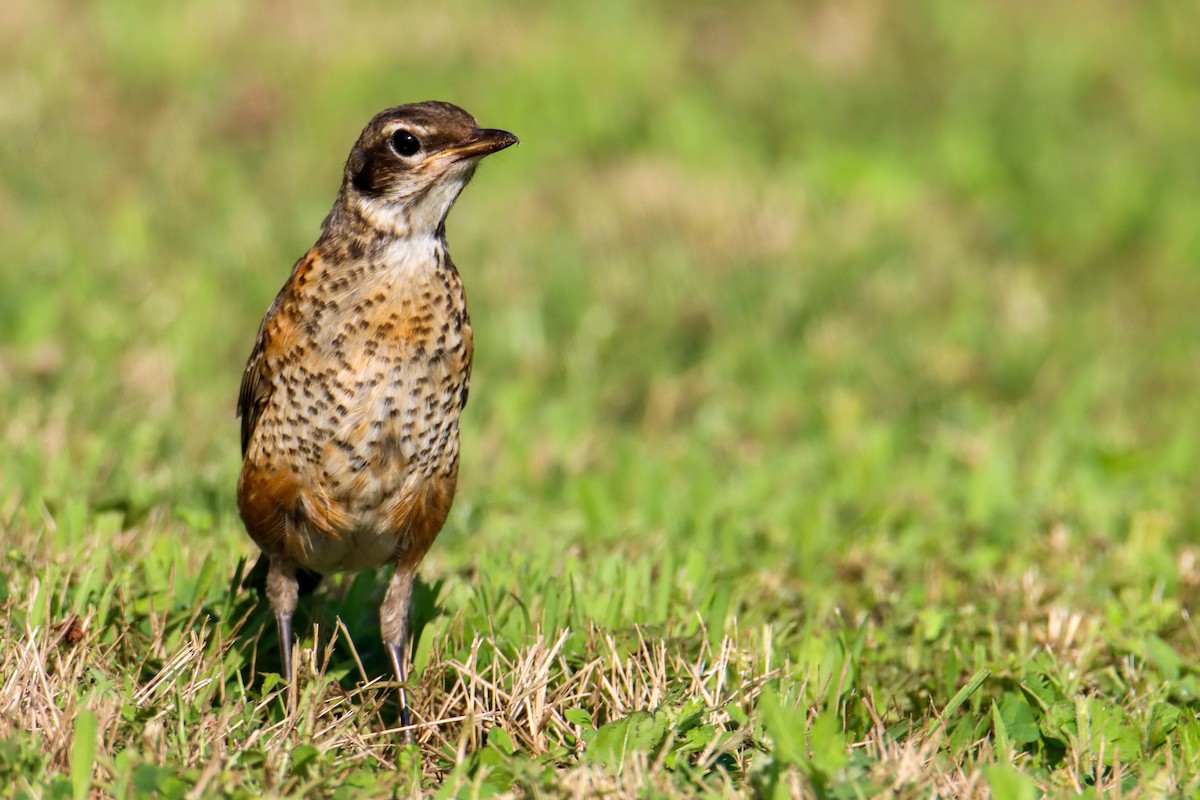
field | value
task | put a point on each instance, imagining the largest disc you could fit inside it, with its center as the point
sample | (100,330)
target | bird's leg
(393,623)
(283,624)
(396,653)
(282,592)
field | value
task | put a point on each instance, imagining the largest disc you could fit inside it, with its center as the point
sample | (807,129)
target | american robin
(351,398)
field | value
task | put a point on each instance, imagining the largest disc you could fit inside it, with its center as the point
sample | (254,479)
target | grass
(833,424)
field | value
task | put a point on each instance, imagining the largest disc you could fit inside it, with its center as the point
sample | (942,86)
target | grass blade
(83,754)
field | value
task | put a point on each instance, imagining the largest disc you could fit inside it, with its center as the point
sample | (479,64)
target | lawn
(833,429)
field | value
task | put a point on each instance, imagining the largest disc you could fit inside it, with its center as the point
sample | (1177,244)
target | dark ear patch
(359,171)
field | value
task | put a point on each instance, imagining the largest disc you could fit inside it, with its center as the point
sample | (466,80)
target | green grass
(833,427)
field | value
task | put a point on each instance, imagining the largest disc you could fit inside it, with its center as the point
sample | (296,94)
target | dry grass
(55,670)
(832,428)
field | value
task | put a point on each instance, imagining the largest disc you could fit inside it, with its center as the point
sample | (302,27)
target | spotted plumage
(351,398)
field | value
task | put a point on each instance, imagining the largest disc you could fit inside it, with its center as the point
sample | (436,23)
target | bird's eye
(404,143)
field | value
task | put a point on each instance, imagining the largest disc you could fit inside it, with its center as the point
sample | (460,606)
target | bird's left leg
(393,624)
(283,590)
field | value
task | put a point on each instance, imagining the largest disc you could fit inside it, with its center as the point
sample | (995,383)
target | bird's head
(411,162)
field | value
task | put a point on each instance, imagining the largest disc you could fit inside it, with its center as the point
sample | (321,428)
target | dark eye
(404,143)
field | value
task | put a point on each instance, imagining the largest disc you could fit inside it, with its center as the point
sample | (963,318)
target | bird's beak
(482,142)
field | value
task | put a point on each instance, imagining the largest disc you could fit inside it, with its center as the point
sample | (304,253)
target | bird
(351,397)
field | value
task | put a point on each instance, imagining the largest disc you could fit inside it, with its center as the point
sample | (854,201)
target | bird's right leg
(283,590)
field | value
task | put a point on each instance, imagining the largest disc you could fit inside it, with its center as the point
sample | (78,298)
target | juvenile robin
(351,398)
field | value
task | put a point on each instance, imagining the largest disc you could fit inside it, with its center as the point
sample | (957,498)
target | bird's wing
(256,383)
(272,336)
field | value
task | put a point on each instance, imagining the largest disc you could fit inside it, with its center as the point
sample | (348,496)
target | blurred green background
(847,305)
(806,272)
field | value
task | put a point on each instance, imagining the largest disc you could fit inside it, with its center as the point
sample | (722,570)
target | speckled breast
(363,418)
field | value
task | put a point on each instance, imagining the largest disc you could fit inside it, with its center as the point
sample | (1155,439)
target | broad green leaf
(577,716)
(1008,784)
(498,739)
(785,724)
(1060,722)
(1018,719)
(303,757)
(641,731)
